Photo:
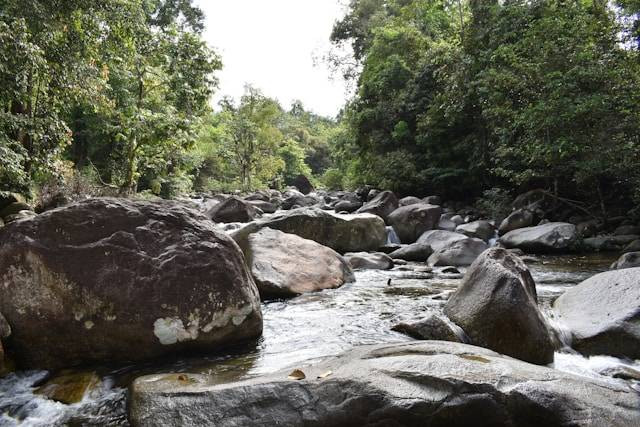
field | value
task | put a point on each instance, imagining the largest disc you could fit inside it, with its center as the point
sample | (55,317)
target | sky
(271,44)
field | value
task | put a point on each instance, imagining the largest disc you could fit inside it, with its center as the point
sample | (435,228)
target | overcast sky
(271,44)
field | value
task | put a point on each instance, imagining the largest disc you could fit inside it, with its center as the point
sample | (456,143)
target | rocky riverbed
(119,312)
(309,328)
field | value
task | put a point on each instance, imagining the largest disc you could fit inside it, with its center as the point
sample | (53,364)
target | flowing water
(309,327)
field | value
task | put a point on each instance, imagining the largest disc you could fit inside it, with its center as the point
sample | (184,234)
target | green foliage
(455,97)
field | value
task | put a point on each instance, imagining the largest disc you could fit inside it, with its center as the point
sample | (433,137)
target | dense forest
(457,98)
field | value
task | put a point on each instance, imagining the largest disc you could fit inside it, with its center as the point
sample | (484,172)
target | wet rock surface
(427,383)
(121,280)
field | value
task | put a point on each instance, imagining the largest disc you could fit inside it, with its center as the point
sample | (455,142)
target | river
(305,328)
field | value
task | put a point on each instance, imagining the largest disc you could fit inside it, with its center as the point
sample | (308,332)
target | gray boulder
(626,230)
(628,260)
(517,219)
(120,280)
(446,224)
(427,244)
(610,243)
(480,229)
(369,261)
(382,205)
(286,265)
(460,253)
(410,222)
(266,207)
(428,383)
(496,306)
(410,200)
(342,233)
(233,209)
(349,203)
(550,237)
(432,200)
(634,246)
(603,313)
(434,327)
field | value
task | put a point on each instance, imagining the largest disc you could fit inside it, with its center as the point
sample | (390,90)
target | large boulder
(550,237)
(409,200)
(628,260)
(517,219)
(480,229)
(286,265)
(433,327)
(410,222)
(496,306)
(121,280)
(460,253)
(233,209)
(349,203)
(610,243)
(342,233)
(369,261)
(382,205)
(603,313)
(427,383)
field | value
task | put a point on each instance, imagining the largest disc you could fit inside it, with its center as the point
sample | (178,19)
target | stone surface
(426,245)
(480,229)
(496,306)
(460,253)
(369,261)
(434,327)
(13,209)
(266,207)
(342,233)
(286,265)
(427,383)
(550,237)
(628,260)
(382,205)
(409,200)
(517,219)
(69,388)
(603,314)
(610,243)
(634,246)
(233,209)
(303,184)
(410,222)
(121,280)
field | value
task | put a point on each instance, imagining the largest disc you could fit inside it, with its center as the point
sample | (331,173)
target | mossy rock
(13,209)
(69,387)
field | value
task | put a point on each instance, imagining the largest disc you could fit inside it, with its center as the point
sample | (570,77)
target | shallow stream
(302,329)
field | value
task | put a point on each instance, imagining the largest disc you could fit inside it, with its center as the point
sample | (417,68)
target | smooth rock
(286,265)
(633,246)
(369,261)
(348,206)
(120,280)
(496,306)
(627,260)
(342,233)
(382,205)
(233,209)
(303,184)
(610,243)
(603,314)
(264,206)
(69,388)
(446,224)
(480,229)
(551,237)
(13,209)
(410,222)
(517,219)
(460,253)
(424,383)
(410,200)
(434,327)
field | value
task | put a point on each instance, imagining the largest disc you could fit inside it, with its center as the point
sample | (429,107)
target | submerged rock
(369,261)
(432,383)
(122,280)
(550,237)
(286,265)
(342,233)
(70,388)
(603,313)
(496,306)
(411,221)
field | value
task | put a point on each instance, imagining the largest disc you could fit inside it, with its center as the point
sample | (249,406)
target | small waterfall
(494,240)
(392,237)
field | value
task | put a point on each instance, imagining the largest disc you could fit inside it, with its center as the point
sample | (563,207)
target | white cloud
(271,44)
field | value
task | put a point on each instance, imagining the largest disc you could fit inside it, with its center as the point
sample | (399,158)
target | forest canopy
(452,97)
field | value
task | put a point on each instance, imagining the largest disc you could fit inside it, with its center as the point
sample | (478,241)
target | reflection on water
(309,327)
